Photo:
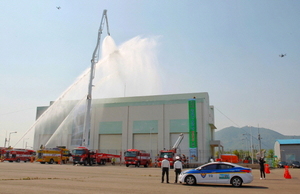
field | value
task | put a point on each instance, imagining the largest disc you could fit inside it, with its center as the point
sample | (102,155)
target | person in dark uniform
(262,168)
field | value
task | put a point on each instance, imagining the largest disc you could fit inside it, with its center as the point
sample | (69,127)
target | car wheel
(236,181)
(190,180)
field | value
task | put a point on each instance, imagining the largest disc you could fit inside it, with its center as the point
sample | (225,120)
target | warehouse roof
(288,141)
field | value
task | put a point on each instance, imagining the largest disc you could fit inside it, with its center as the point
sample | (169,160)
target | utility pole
(9,137)
(251,145)
(259,141)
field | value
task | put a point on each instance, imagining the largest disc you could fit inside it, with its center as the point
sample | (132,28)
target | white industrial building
(150,123)
(287,150)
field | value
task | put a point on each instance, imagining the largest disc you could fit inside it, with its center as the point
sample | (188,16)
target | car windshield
(77,152)
(130,154)
(169,154)
(66,153)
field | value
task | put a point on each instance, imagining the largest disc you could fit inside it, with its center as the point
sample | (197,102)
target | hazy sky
(227,48)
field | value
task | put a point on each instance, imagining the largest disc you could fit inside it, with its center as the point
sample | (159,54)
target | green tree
(270,154)
(236,152)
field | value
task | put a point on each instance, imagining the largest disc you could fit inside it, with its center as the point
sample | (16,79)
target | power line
(239,126)
(227,117)
(15,111)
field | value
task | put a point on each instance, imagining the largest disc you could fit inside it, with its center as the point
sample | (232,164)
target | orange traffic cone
(267,169)
(287,174)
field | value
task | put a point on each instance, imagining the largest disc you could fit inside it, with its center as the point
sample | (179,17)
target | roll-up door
(110,143)
(145,142)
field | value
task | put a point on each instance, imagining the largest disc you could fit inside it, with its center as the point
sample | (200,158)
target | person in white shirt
(177,167)
(165,166)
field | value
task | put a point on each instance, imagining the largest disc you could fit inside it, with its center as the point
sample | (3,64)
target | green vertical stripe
(192,124)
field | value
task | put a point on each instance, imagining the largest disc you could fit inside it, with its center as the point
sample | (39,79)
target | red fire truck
(82,155)
(137,158)
(2,153)
(170,153)
(19,155)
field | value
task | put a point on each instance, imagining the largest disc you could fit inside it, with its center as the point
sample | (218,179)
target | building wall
(290,153)
(277,150)
(151,123)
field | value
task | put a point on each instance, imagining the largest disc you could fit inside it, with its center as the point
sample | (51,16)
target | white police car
(219,173)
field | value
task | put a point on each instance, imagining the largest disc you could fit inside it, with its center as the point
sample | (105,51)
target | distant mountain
(234,138)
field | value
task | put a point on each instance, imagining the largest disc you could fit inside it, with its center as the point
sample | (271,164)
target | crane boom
(95,59)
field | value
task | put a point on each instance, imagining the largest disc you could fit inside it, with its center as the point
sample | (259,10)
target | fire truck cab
(137,158)
(82,155)
(170,153)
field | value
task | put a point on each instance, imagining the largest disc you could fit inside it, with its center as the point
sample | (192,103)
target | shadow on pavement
(228,186)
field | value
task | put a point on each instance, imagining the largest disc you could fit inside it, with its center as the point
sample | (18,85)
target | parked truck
(18,155)
(172,153)
(53,155)
(84,156)
(137,158)
(229,158)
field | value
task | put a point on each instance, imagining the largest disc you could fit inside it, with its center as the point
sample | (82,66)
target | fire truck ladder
(94,61)
(175,146)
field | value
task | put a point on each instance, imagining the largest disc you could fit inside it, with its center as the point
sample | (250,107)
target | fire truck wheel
(137,165)
(51,161)
(18,160)
(146,165)
(84,162)
(42,162)
(127,165)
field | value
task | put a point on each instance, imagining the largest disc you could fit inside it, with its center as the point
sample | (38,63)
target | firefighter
(262,162)
(177,168)
(165,166)
(113,161)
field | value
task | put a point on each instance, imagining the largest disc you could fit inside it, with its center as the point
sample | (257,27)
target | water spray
(94,61)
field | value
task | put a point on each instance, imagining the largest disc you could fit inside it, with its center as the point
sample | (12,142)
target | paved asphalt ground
(63,179)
